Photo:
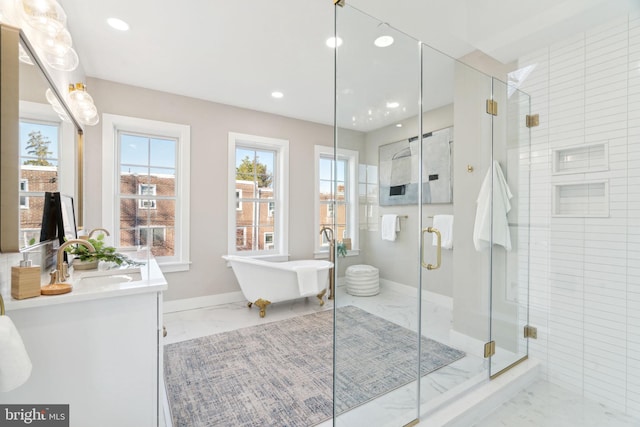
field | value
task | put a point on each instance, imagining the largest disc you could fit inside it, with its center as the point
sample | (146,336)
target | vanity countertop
(96,285)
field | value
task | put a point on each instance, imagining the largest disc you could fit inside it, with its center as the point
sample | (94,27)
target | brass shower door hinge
(338,2)
(533,120)
(530,332)
(489,349)
(492,107)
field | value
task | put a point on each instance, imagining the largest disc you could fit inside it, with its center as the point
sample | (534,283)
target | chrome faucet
(59,275)
(329,237)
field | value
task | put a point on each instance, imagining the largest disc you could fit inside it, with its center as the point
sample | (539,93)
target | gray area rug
(281,373)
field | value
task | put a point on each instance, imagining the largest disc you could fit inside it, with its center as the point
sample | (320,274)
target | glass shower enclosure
(442,218)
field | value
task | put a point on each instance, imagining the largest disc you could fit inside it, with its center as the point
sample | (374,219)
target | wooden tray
(56,289)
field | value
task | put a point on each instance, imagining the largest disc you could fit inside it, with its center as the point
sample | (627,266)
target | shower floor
(437,388)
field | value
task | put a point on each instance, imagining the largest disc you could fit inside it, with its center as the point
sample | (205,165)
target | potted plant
(341,249)
(88,260)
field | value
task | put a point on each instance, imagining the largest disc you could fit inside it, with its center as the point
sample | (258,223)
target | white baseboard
(200,302)
(211,300)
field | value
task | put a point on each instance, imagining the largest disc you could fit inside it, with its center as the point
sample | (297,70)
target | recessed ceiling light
(277,94)
(383,41)
(393,104)
(334,42)
(118,24)
(398,125)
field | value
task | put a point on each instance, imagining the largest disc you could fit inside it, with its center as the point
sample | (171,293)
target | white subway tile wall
(585,270)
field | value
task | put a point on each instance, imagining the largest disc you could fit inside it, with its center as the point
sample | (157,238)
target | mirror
(41,151)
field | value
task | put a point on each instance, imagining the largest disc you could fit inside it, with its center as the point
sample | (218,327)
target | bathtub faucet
(328,234)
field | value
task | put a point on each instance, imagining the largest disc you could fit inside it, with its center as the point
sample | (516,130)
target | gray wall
(398,260)
(210,124)
(476,138)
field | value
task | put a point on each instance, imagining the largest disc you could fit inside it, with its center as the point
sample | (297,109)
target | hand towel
(15,365)
(444,224)
(307,280)
(501,206)
(390,225)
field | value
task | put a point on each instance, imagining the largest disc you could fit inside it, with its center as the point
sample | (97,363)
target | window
(156,235)
(258,196)
(268,240)
(336,196)
(328,209)
(46,164)
(238,198)
(146,194)
(24,187)
(147,190)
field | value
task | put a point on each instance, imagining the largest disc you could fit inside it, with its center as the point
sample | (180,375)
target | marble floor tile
(540,405)
(390,304)
(547,405)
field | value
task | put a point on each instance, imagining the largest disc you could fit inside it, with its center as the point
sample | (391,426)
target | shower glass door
(510,228)
(448,290)
(457,150)
(377,321)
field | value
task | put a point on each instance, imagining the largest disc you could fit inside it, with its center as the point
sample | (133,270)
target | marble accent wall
(585,257)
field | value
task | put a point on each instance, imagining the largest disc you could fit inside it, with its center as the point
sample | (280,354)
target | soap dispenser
(25,279)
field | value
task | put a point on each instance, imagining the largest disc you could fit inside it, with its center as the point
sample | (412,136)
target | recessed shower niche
(582,158)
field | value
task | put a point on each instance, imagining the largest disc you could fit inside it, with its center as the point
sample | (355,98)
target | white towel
(390,225)
(307,280)
(444,224)
(501,206)
(15,365)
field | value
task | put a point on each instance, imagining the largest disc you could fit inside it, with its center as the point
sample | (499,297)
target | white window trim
(351,156)
(281,219)
(111,124)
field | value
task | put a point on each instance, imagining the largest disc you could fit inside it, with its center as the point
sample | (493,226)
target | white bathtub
(264,282)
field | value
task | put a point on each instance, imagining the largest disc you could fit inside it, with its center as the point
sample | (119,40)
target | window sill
(174,267)
(325,254)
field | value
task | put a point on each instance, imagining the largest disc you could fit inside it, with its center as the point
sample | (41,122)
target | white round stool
(362,280)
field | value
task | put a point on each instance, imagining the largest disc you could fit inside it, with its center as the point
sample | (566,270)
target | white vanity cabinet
(98,350)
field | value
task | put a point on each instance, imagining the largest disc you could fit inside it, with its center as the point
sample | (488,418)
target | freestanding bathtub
(264,282)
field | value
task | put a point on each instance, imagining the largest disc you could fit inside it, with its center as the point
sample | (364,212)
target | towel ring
(1,306)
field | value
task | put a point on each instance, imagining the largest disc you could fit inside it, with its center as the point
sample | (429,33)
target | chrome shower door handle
(438,249)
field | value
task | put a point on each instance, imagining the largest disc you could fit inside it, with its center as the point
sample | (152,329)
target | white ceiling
(237,52)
